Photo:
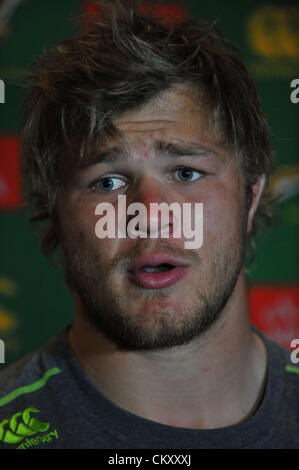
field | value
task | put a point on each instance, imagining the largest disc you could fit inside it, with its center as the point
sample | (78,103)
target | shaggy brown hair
(120,61)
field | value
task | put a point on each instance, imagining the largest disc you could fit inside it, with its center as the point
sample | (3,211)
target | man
(161,352)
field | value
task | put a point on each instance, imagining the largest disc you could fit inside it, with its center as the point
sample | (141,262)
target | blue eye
(109,183)
(187,174)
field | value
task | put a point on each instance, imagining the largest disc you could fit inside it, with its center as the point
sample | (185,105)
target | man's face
(130,313)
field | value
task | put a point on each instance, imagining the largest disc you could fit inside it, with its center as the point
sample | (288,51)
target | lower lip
(157,280)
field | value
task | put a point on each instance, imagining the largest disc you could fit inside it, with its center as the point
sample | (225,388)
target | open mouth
(161,268)
(154,272)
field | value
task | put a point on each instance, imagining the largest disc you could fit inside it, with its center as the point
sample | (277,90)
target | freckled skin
(145,151)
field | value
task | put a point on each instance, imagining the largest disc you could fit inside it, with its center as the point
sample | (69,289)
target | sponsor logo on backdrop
(275,311)
(273,36)
(170,12)
(8,320)
(285,182)
(10,180)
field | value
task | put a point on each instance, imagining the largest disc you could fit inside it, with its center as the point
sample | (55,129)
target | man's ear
(257,190)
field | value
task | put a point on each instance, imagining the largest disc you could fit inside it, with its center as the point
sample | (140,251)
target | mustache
(81,261)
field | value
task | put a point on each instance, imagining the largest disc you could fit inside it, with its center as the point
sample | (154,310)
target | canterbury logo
(21,425)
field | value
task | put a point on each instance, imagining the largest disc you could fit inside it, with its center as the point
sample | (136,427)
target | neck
(214,381)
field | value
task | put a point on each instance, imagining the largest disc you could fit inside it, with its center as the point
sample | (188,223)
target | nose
(157,215)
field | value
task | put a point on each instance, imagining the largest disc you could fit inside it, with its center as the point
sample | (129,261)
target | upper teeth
(155,269)
(150,269)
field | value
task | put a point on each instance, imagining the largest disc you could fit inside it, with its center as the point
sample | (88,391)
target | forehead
(175,114)
(176,108)
(180,99)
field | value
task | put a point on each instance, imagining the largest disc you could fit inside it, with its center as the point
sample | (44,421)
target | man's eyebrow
(180,149)
(161,148)
(110,154)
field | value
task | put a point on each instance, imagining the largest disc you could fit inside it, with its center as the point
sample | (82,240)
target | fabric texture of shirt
(48,401)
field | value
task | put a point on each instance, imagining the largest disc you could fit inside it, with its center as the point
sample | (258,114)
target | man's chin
(147,325)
